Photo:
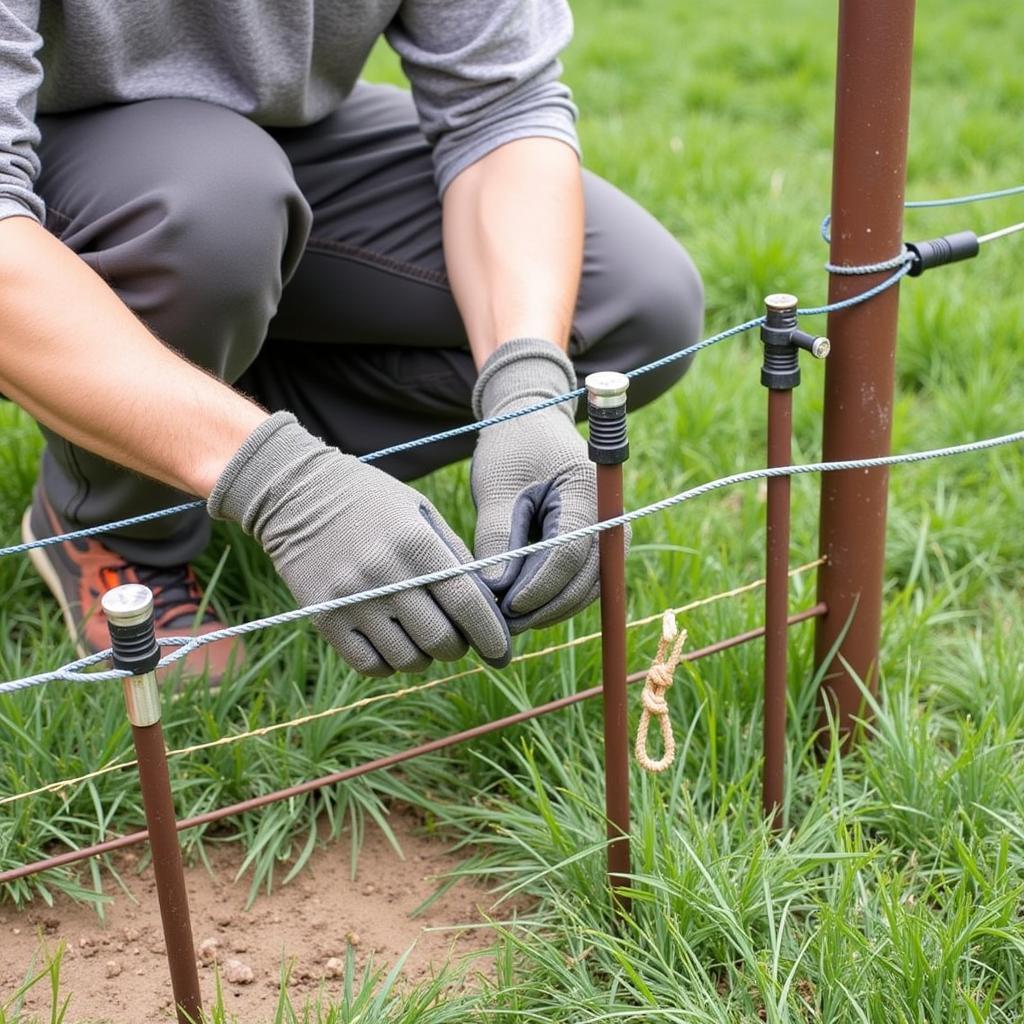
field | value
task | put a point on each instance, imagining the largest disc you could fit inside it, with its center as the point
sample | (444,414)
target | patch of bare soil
(117,971)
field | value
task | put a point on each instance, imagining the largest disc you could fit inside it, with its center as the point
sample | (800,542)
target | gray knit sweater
(483,72)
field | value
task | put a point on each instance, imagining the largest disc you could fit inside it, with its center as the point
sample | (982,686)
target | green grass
(898,893)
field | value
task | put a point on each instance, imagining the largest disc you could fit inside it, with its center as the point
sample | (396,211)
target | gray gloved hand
(532,479)
(334,526)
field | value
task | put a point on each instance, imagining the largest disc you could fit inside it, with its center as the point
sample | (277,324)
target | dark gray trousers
(305,266)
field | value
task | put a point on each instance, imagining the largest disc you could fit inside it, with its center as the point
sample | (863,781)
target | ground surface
(896,894)
(116,970)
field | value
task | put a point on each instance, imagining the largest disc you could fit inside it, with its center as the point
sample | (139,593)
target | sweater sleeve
(483,73)
(20,77)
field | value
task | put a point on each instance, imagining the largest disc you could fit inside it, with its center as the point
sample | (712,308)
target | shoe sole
(49,576)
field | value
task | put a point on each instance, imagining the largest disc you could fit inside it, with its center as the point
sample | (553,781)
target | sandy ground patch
(117,971)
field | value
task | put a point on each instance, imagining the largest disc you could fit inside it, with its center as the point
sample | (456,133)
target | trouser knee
(191,213)
(198,229)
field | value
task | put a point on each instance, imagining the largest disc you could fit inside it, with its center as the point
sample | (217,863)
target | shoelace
(176,594)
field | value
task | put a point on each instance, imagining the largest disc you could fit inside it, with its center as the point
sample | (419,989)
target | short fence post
(780,373)
(609,448)
(129,612)
(868,180)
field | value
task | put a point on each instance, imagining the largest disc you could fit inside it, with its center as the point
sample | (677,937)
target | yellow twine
(57,787)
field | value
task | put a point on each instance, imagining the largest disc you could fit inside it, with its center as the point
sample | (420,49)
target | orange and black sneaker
(80,572)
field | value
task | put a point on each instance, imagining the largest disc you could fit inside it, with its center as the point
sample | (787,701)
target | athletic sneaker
(80,572)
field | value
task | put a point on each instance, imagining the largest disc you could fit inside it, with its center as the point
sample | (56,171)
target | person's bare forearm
(76,358)
(513,240)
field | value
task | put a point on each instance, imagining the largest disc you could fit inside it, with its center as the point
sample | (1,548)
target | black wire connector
(937,252)
(782,339)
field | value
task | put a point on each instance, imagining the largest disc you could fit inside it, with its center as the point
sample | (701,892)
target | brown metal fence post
(780,373)
(868,181)
(606,408)
(129,612)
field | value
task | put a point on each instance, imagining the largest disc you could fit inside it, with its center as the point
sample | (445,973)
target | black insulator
(780,369)
(963,245)
(608,444)
(134,647)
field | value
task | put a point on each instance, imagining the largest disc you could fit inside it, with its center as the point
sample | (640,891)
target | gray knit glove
(532,479)
(334,526)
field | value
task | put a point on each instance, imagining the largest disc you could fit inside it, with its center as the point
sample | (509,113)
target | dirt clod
(237,973)
(209,950)
(112,968)
(334,968)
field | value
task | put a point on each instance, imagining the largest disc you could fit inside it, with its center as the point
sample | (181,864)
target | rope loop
(659,678)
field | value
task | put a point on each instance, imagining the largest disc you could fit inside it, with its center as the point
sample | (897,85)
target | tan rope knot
(660,675)
(659,679)
(653,702)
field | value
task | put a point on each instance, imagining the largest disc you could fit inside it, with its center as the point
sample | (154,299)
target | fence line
(926,204)
(690,350)
(184,645)
(117,765)
(387,761)
(900,261)
(901,265)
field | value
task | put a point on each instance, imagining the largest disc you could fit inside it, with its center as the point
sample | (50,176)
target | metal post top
(781,301)
(128,605)
(606,387)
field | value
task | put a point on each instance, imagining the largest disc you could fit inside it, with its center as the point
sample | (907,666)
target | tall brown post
(129,613)
(606,410)
(868,181)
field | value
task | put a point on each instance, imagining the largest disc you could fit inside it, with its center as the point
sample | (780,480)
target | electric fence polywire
(72,671)
(977,197)
(901,263)
(926,204)
(444,435)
